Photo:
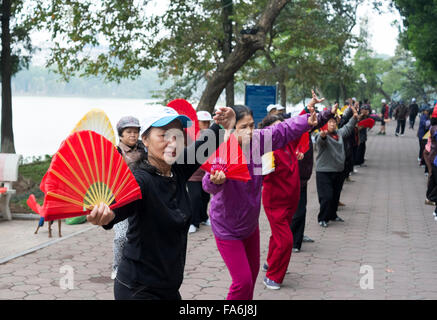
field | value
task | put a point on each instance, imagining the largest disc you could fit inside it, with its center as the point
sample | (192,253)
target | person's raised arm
(290,129)
(349,127)
(191,161)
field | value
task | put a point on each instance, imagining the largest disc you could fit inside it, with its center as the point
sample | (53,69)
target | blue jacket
(422,126)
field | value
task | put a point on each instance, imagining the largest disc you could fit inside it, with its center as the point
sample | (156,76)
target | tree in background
(419,35)
(187,41)
(310,53)
(15,54)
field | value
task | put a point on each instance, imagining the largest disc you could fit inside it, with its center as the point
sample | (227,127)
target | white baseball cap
(413,100)
(204,116)
(383,101)
(270,107)
(159,116)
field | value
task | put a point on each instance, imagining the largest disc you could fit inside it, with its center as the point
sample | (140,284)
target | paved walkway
(387,227)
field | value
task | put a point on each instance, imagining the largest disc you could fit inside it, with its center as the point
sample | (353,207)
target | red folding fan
(31,202)
(3,190)
(86,171)
(182,106)
(367,123)
(230,159)
(303,144)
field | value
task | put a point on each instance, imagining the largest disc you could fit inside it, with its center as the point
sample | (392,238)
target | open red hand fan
(367,123)
(182,106)
(86,170)
(304,143)
(230,159)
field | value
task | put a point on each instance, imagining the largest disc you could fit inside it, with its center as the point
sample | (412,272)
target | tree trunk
(7,133)
(283,93)
(227,47)
(386,96)
(244,50)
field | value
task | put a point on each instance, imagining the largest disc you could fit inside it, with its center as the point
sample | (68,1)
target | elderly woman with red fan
(235,205)
(153,260)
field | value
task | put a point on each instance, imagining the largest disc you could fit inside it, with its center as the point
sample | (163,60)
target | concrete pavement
(388,232)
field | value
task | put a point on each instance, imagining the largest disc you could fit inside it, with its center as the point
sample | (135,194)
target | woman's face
(204,125)
(332,125)
(244,129)
(129,136)
(165,143)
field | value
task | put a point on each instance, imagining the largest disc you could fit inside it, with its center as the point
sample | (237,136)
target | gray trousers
(119,242)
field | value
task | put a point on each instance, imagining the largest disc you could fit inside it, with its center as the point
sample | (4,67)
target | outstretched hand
(312,119)
(323,133)
(225,117)
(314,101)
(218,177)
(334,109)
(101,215)
(355,112)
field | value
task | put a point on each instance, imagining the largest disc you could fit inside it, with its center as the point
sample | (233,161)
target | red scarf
(334,135)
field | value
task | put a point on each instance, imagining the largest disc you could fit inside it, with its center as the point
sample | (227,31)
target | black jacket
(154,255)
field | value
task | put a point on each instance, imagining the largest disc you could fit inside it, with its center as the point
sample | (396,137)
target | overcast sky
(383,34)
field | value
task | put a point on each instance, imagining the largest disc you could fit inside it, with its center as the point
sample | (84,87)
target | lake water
(42,123)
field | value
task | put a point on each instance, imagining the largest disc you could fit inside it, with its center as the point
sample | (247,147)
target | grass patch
(29,179)
(34,171)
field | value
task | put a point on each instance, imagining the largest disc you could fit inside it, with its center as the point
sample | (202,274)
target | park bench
(8,174)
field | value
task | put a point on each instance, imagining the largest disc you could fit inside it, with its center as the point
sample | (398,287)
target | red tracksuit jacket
(281,188)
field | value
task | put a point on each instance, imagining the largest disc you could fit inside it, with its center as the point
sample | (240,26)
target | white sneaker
(435,218)
(355,171)
(192,229)
(434,214)
(206,223)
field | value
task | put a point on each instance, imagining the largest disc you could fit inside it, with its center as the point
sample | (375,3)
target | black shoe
(307,239)
(323,224)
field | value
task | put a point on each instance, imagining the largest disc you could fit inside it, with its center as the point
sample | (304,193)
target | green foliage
(419,36)
(79,28)
(309,47)
(35,170)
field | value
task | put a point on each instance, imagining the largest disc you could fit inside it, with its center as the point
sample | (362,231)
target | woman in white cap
(153,260)
(273,109)
(199,198)
(132,150)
